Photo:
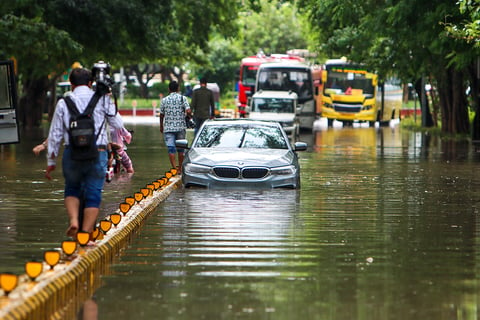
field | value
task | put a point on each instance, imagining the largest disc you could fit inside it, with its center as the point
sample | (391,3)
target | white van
(280,106)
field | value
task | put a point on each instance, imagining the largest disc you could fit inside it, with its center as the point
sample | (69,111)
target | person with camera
(173,110)
(84,179)
(203,104)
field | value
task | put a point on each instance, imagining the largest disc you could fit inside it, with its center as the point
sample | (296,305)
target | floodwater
(384,227)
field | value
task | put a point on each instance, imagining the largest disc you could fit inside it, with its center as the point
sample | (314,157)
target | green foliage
(127,103)
(273,26)
(223,62)
(120,32)
(406,38)
(40,49)
(46,37)
(469,28)
(227,100)
(159,88)
(133,92)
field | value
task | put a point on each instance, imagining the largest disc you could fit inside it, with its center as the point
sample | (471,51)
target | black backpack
(83,140)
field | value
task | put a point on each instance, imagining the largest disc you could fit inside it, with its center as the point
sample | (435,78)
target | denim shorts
(170,138)
(85,179)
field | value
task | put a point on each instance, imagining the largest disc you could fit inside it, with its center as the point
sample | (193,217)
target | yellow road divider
(59,292)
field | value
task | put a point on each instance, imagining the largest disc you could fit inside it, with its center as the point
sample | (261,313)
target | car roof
(241,121)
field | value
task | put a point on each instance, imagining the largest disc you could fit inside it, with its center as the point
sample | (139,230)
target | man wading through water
(203,104)
(173,110)
(84,179)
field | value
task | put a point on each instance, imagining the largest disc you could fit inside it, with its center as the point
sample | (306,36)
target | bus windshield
(285,79)
(249,75)
(348,80)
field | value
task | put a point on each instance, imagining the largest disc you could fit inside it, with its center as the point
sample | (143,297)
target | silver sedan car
(241,153)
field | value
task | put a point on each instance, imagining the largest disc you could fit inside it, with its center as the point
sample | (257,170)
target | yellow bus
(351,93)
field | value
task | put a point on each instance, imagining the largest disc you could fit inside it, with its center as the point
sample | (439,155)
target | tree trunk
(474,74)
(424,105)
(453,103)
(460,105)
(33,102)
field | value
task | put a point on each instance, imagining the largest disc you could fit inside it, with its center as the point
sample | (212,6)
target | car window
(273,105)
(263,137)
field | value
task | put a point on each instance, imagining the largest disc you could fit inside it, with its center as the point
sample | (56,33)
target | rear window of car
(261,137)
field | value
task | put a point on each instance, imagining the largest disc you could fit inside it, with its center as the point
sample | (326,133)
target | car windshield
(273,105)
(235,136)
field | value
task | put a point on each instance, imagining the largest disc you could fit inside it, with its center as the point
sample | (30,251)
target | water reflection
(252,238)
(384,227)
(32,213)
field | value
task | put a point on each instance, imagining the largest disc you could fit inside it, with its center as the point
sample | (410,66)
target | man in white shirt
(84,179)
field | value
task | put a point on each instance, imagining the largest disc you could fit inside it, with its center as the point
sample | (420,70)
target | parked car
(241,153)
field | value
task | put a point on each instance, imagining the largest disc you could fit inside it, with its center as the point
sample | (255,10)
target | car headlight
(287,170)
(196,168)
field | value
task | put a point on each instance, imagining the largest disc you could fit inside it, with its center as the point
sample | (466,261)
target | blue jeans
(170,138)
(85,178)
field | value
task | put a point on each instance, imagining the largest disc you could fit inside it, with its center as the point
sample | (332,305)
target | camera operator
(84,179)
(103,81)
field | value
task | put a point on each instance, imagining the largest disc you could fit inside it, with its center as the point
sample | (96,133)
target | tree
(469,28)
(272,26)
(221,63)
(47,36)
(405,38)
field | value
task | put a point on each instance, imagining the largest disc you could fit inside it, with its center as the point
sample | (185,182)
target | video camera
(101,75)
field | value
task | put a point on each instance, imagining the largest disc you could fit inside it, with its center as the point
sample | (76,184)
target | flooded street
(384,227)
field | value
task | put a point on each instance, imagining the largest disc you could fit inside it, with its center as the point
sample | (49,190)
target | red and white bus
(248,75)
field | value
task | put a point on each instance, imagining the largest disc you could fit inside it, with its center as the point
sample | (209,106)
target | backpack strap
(88,110)
(72,108)
(92,104)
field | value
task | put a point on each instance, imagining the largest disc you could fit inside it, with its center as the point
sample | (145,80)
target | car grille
(235,173)
(224,172)
(254,173)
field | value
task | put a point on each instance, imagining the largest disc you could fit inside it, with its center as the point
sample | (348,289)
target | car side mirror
(182,144)
(300,146)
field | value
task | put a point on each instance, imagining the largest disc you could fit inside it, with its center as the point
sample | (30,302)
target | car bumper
(213,182)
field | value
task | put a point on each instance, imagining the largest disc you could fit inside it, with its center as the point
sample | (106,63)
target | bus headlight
(367,107)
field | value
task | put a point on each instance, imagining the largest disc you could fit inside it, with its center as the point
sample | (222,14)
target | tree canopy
(437,41)
(407,38)
(45,37)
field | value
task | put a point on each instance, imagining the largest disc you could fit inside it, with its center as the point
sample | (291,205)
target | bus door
(9,132)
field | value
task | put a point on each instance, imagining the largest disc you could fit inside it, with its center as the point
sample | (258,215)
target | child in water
(119,137)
